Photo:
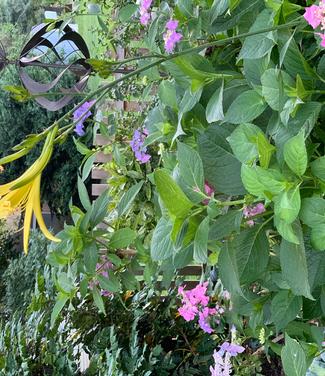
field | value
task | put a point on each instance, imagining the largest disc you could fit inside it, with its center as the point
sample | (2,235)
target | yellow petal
(38,211)
(28,219)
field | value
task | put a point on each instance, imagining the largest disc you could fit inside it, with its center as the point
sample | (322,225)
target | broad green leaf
(190,166)
(161,244)
(262,183)
(286,230)
(295,154)
(313,211)
(287,205)
(126,13)
(252,253)
(244,259)
(221,167)
(243,142)
(218,8)
(91,257)
(201,242)
(272,89)
(171,194)
(284,308)
(257,46)
(228,269)
(59,304)
(128,198)
(318,167)
(167,93)
(318,237)
(110,283)
(293,358)
(294,265)
(245,108)
(254,69)
(98,300)
(214,110)
(122,238)
(225,225)
(265,150)
(129,281)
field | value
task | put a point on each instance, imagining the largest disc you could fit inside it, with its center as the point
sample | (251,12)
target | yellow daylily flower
(24,193)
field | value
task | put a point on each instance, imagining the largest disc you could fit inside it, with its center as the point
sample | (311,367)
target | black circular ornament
(36,53)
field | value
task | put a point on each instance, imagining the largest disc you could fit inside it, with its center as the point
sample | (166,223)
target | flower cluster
(171,37)
(222,364)
(315,16)
(145,15)
(80,115)
(137,145)
(195,303)
(251,211)
(103,268)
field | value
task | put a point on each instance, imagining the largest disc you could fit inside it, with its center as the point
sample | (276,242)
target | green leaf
(257,46)
(228,268)
(262,183)
(265,150)
(294,265)
(129,281)
(201,242)
(128,198)
(287,205)
(286,230)
(272,87)
(214,110)
(285,308)
(83,194)
(110,283)
(295,154)
(190,166)
(243,142)
(245,108)
(122,238)
(167,93)
(318,237)
(59,304)
(126,13)
(171,194)
(220,166)
(244,259)
(293,358)
(98,300)
(225,225)
(99,209)
(313,211)
(161,244)
(91,257)
(317,167)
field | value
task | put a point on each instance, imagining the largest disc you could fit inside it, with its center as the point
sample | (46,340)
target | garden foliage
(230,158)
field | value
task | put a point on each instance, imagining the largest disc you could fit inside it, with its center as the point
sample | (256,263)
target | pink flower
(209,191)
(312,16)
(251,211)
(172,25)
(171,37)
(195,303)
(145,18)
(145,15)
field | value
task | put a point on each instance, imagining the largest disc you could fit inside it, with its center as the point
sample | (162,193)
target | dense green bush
(18,289)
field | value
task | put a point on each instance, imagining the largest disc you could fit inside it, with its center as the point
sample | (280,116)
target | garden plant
(224,168)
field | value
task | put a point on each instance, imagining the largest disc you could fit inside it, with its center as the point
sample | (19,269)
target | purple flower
(80,115)
(171,37)
(172,25)
(251,211)
(137,146)
(145,15)
(231,348)
(195,303)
